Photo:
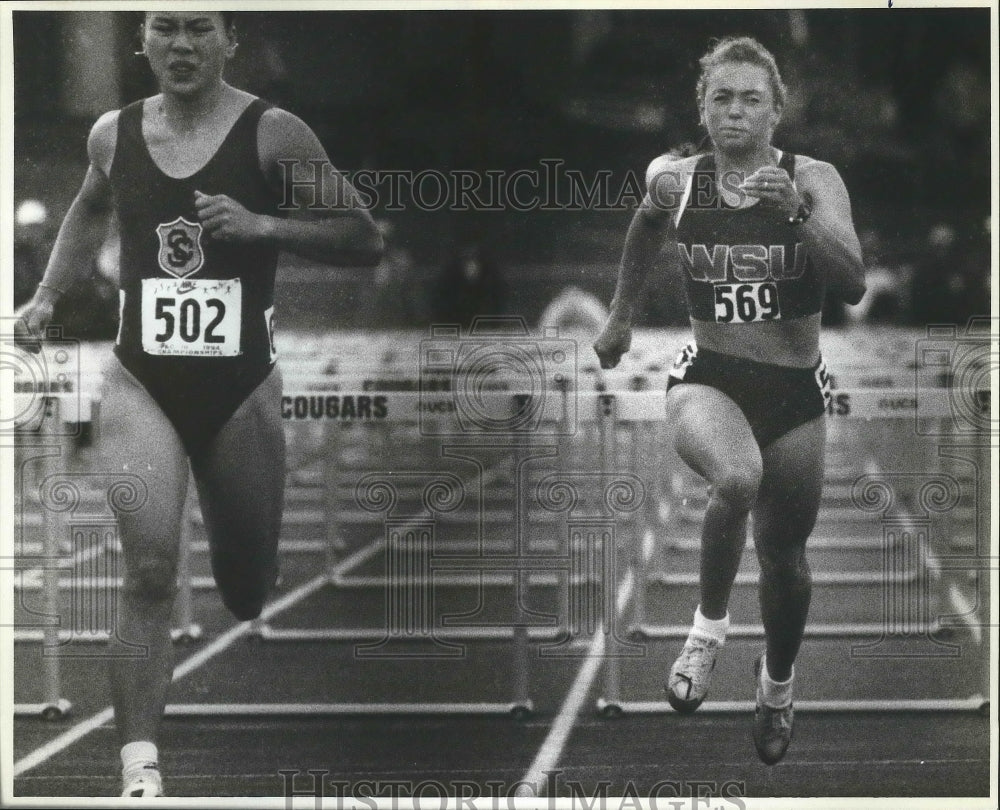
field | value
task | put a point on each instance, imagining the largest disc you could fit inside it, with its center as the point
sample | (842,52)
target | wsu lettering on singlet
(715,263)
(742,265)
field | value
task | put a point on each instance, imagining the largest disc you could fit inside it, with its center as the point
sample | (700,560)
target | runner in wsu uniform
(195,178)
(761,235)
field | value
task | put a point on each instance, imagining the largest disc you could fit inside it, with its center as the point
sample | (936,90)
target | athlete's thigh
(711,433)
(137,438)
(241,477)
(792,485)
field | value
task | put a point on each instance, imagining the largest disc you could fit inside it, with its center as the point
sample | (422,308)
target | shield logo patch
(180,247)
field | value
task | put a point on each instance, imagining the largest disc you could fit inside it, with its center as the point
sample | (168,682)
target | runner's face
(739,111)
(187,50)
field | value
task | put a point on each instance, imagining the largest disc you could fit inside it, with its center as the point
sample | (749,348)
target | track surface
(565,747)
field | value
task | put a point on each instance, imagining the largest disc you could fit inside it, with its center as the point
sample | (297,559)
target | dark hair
(228,17)
(740,49)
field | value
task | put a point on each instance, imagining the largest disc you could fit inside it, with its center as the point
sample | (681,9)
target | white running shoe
(142,783)
(691,673)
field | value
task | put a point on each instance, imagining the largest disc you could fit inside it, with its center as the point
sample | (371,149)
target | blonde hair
(741,49)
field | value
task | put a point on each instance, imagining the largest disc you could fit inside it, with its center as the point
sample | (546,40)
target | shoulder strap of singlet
(702,164)
(130,117)
(246,124)
(243,135)
(787,162)
(250,116)
(129,133)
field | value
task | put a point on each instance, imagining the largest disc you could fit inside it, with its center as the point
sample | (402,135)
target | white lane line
(965,612)
(533,783)
(84,727)
(67,738)
(189,665)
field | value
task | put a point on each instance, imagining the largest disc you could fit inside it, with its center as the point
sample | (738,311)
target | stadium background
(897,99)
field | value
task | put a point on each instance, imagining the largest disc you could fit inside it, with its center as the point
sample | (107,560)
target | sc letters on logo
(180,251)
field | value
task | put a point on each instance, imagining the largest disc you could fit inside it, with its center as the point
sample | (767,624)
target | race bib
(189,317)
(747,303)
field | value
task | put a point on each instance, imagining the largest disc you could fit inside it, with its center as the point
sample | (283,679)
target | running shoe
(772,728)
(691,673)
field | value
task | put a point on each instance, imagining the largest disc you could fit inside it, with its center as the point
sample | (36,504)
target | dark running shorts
(774,399)
(199,395)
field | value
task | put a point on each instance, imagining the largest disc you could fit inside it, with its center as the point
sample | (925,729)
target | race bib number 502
(197,318)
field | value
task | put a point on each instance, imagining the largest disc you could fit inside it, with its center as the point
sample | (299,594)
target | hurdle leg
(54,706)
(335,545)
(521,706)
(643,526)
(608,704)
(188,630)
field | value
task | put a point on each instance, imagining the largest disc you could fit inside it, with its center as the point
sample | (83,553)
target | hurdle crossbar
(841,578)
(515,709)
(973,703)
(819,630)
(466,633)
(192,632)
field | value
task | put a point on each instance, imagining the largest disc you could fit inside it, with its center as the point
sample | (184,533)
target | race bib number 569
(746,303)
(191,317)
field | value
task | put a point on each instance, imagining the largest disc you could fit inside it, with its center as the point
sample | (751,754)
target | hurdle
(636,409)
(404,409)
(618,420)
(402,405)
(53,705)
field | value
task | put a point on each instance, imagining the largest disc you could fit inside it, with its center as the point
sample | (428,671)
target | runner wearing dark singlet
(194,176)
(760,236)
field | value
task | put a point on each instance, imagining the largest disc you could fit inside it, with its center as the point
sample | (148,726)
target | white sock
(138,755)
(713,628)
(776,694)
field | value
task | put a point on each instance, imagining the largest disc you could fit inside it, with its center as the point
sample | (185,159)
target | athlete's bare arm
(652,224)
(829,232)
(80,236)
(328,221)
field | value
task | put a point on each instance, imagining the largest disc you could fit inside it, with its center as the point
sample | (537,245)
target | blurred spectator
(975,270)
(962,99)
(941,285)
(398,298)
(470,284)
(886,301)
(574,311)
(32,242)
(260,66)
(89,309)
(669,306)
